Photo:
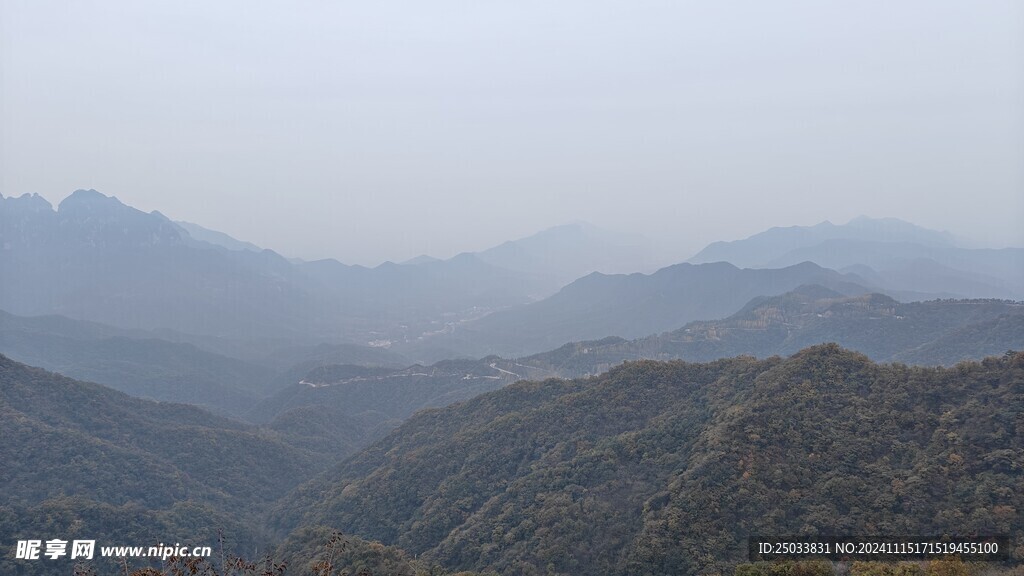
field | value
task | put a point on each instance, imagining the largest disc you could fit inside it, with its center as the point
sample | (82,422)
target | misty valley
(573,288)
(534,408)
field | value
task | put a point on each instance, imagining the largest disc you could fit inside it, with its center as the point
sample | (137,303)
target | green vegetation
(312,551)
(666,468)
(342,408)
(142,367)
(64,437)
(634,305)
(319,551)
(352,406)
(937,332)
(651,468)
(82,460)
(225,376)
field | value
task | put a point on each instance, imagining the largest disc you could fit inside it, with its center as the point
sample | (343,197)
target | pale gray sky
(380,130)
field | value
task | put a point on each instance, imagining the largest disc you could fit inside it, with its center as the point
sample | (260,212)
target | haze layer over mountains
(94,258)
(417,404)
(173,311)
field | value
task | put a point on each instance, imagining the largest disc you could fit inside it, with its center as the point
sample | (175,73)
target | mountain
(319,550)
(343,408)
(82,460)
(293,362)
(981,273)
(558,255)
(226,376)
(667,468)
(973,341)
(633,305)
(176,449)
(143,367)
(917,274)
(937,332)
(774,243)
(281,354)
(216,238)
(895,254)
(564,253)
(412,292)
(95,258)
(421,259)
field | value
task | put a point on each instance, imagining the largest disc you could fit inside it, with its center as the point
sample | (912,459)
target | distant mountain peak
(563,253)
(88,195)
(95,219)
(805,265)
(764,249)
(26,202)
(421,259)
(91,200)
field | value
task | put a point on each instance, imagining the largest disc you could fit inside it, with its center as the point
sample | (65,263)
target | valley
(470,414)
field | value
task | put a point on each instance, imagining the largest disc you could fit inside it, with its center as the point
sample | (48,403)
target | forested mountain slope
(665,468)
(342,408)
(346,407)
(143,367)
(225,376)
(634,305)
(936,332)
(82,460)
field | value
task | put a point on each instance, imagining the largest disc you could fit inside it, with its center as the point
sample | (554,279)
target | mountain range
(886,252)
(564,253)
(931,333)
(346,407)
(634,305)
(337,399)
(552,405)
(96,259)
(667,468)
(650,468)
(84,461)
(170,366)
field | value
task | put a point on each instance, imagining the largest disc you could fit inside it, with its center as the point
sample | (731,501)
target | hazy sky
(380,130)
